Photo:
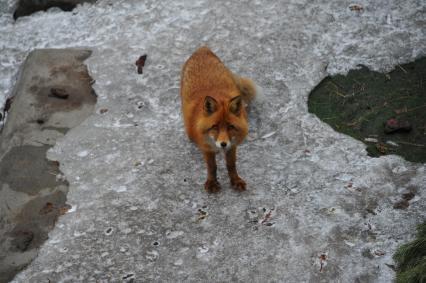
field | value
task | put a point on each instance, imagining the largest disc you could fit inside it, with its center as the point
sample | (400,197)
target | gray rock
(32,189)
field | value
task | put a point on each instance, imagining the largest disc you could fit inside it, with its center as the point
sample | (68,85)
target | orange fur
(213,111)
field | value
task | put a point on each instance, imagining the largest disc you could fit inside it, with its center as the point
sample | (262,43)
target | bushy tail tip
(250,91)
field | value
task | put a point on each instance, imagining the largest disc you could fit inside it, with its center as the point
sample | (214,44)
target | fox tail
(250,91)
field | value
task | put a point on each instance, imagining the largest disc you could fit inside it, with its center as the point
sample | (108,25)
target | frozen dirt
(317,209)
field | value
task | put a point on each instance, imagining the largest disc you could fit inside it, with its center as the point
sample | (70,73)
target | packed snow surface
(317,208)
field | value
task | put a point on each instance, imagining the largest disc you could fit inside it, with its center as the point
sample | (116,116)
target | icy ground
(317,208)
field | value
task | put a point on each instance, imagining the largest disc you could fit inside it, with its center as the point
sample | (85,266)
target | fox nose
(223,144)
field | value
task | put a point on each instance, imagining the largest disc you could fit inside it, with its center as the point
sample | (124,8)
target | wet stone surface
(26,169)
(52,95)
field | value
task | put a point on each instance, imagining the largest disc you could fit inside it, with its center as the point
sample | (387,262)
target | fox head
(225,123)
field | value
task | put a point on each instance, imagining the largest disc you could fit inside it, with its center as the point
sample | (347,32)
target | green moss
(411,259)
(359,104)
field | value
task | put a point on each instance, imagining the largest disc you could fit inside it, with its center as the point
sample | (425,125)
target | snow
(300,166)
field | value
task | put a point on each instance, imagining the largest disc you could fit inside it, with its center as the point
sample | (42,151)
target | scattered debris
(371,140)
(402,204)
(408,196)
(356,7)
(379,253)
(103,110)
(394,125)
(392,143)
(322,261)
(8,104)
(201,215)
(391,266)
(203,249)
(152,255)
(267,217)
(412,144)
(405,71)
(5,109)
(64,209)
(370,210)
(129,278)
(47,208)
(108,231)
(382,148)
(366,252)
(401,110)
(268,135)
(58,93)
(350,244)
(140,63)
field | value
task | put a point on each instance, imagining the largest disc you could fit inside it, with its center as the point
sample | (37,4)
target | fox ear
(210,105)
(235,105)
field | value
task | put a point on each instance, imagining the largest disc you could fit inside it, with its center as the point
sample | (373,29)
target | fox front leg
(231,159)
(211,185)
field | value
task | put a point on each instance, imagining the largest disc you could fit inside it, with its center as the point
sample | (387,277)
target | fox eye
(231,127)
(214,127)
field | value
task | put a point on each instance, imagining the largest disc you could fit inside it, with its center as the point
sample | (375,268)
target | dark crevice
(28,7)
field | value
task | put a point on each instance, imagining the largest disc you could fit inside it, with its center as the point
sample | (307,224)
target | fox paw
(212,186)
(238,184)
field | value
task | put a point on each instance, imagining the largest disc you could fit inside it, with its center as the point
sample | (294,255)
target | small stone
(108,231)
(379,253)
(408,196)
(403,204)
(394,125)
(356,8)
(367,253)
(59,93)
(140,63)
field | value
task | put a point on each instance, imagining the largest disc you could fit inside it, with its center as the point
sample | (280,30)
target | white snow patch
(120,189)
(268,135)
(174,234)
(83,153)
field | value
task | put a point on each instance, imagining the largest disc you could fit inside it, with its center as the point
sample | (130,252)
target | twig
(338,85)
(402,69)
(414,108)
(413,144)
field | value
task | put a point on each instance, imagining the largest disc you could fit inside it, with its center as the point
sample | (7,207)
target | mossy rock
(359,104)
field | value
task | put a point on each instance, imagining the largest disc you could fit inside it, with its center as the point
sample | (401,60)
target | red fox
(214,115)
